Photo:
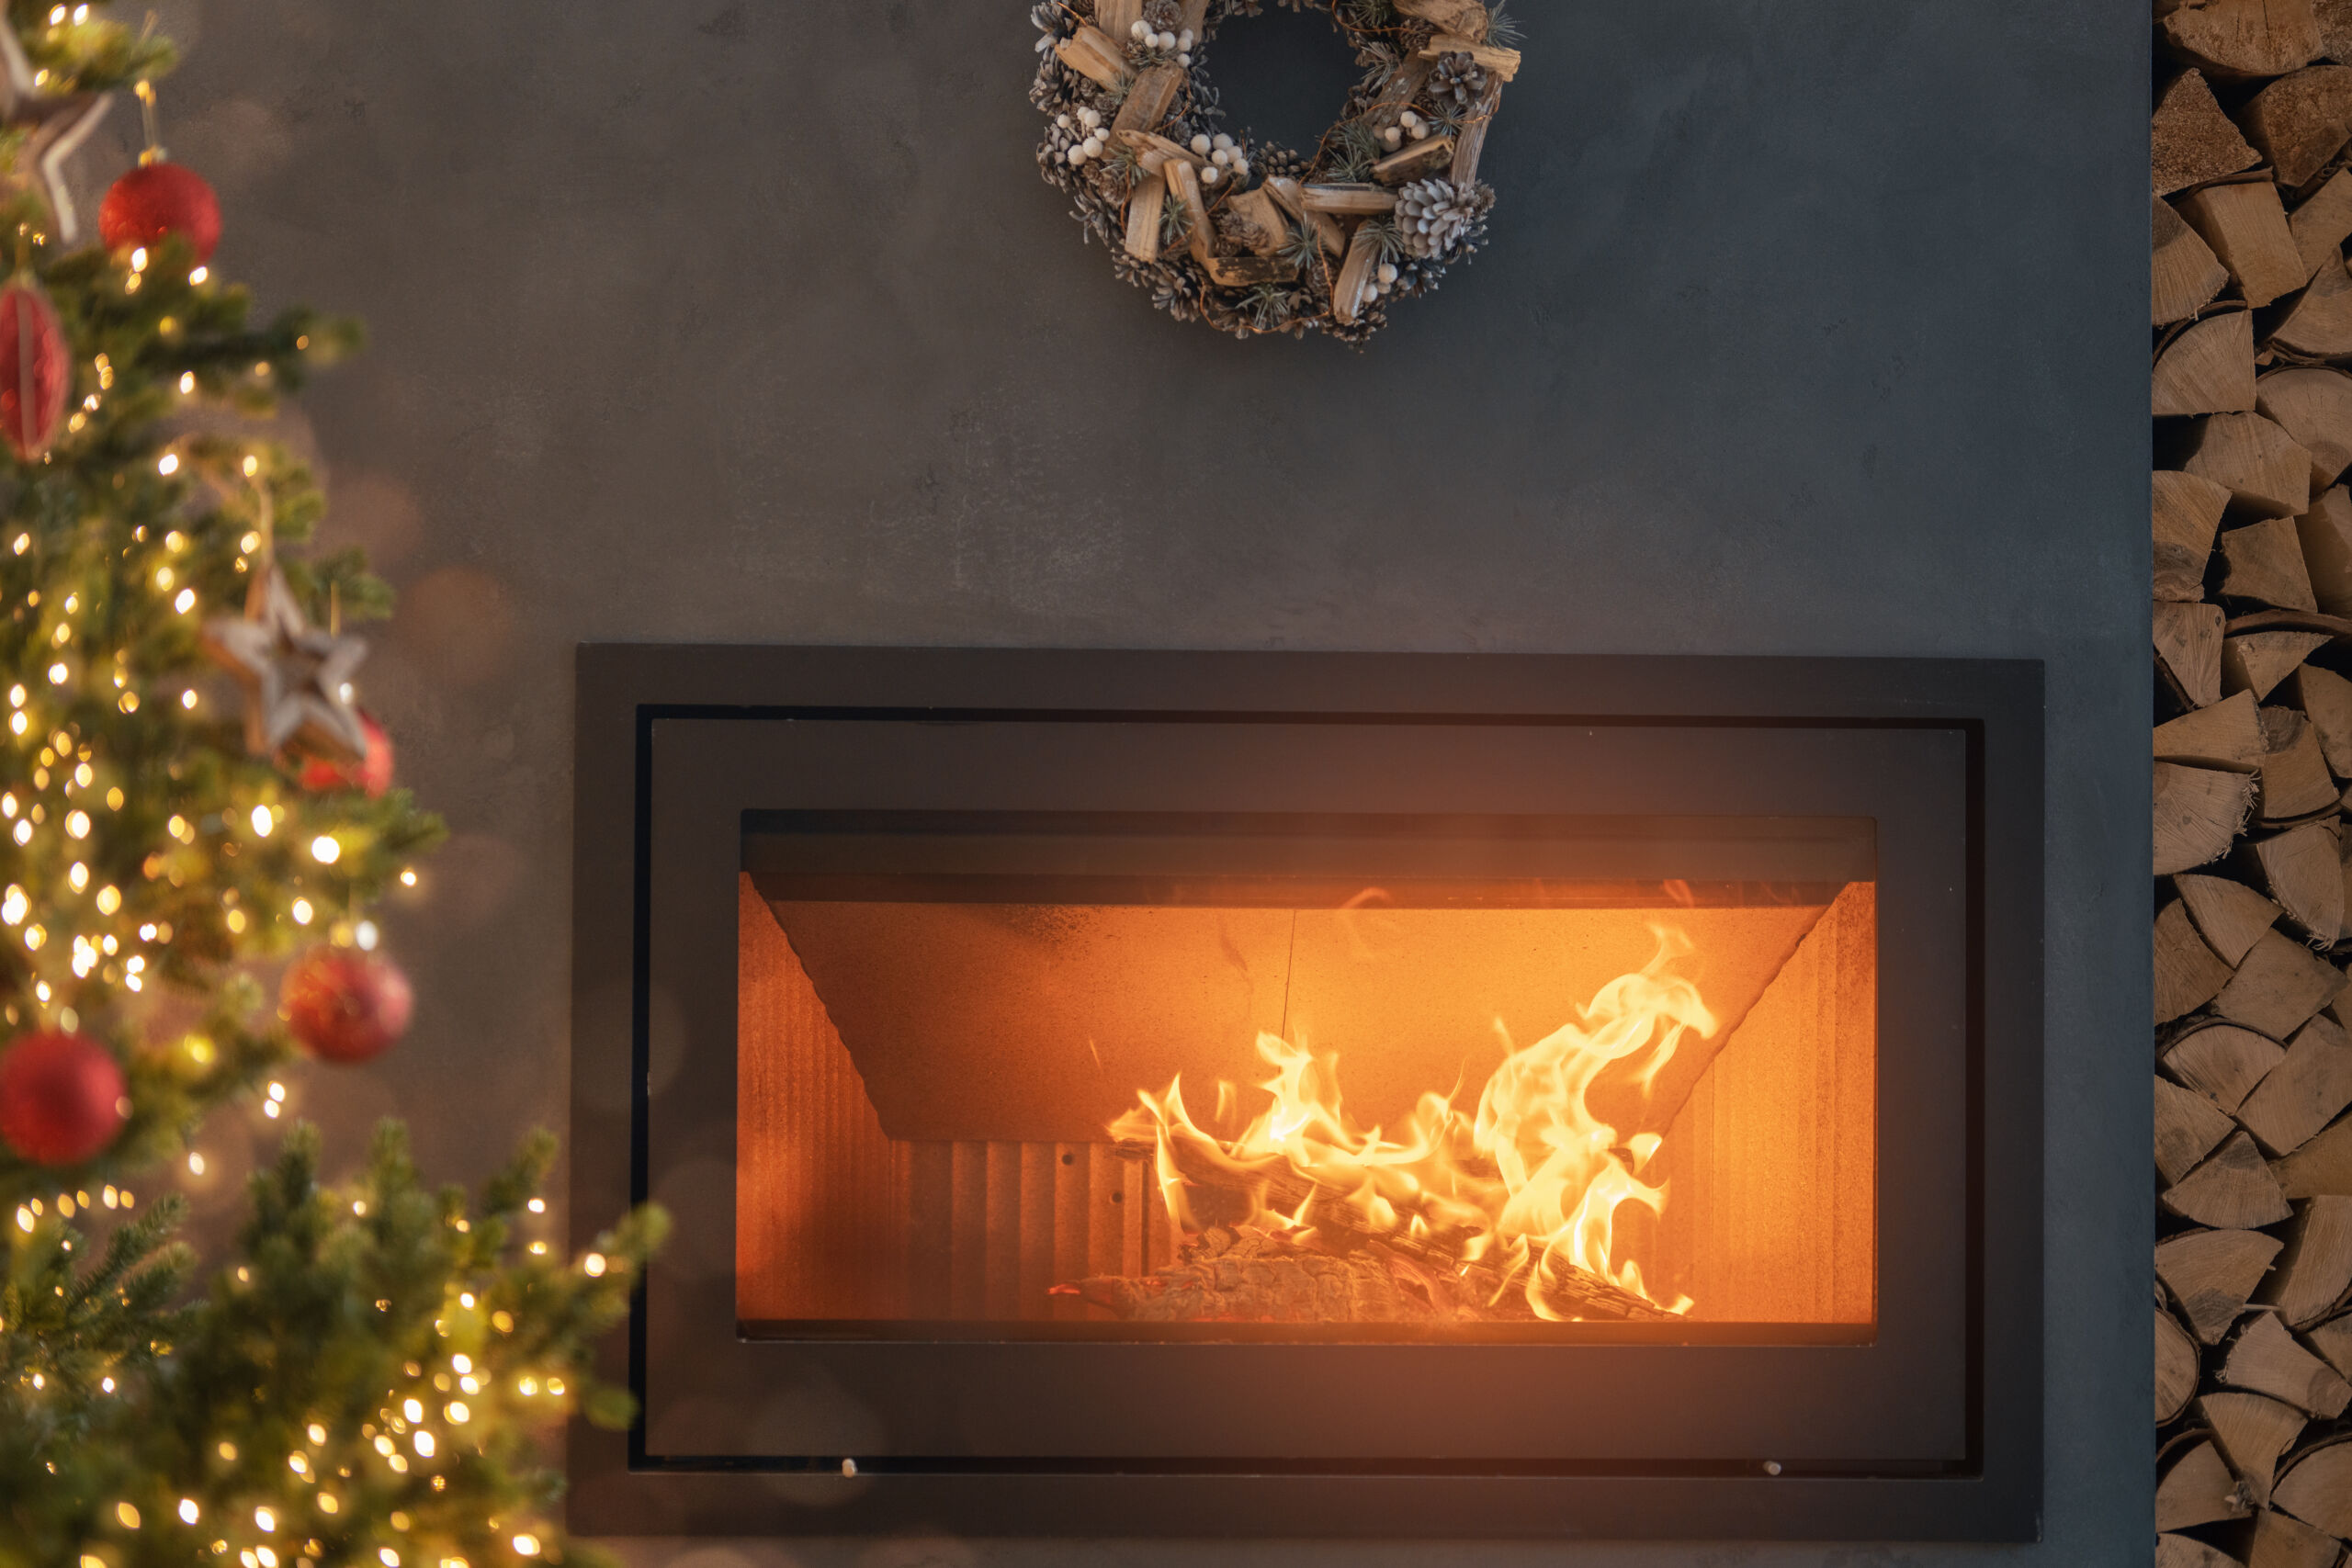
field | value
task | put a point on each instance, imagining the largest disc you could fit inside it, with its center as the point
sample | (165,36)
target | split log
(2312,1273)
(2188,1127)
(2198,812)
(1148,101)
(1240,1274)
(2301,121)
(2207,368)
(2175,1367)
(2246,224)
(1143,209)
(2263,562)
(2319,324)
(1269,230)
(2306,1091)
(1191,17)
(1347,200)
(1155,150)
(2278,986)
(1117,18)
(1354,282)
(1184,186)
(2227,734)
(2265,1358)
(2189,650)
(2320,225)
(2335,18)
(2317,1488)
(2184,275)
(2187,1551)
(1090,53)
(1502,62)
(2325,699)
(2243,38)
(2280,1540)
(2252,1431)
(1465,18)
(1471,146)
(2321,1168)
(2223,1062)
(2314,406)
(2188,974)
(2332,1342)
(2234,1190)
(1292,197)
(2256,661)
(2267,473)
(1404,84)
(1572,1291)
(2211,1274)
(2229,915)
(2196,1488)
(2192,140)
(2295,782)
(1417,161)
(1246,272)
(2186,510)
(2326,533)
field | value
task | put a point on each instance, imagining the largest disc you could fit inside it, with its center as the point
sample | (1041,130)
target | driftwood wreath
(1261,239)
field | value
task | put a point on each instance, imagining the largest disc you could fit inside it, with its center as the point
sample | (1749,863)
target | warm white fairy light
(366,936)
(302,911)
(187,698)
(77,822)
(184,603)
(199,276)
(169,463)
(108,900)
(195,1163)
(58,672)
(263,821)
(188,1512)
(325,849)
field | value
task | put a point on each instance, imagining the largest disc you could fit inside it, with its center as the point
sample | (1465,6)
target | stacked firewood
(2252,310)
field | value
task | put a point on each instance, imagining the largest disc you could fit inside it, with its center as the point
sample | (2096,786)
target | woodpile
(2251,391)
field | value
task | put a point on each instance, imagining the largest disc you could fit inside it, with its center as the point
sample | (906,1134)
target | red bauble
(345,1006)
(60,1097)
(36,369)
(157,199)
(372,772)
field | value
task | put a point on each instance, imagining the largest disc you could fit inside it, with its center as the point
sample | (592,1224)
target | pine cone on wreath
(1432,215)
(1456,84)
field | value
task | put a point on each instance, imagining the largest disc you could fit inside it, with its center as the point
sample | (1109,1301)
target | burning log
(1242,1274)
(1569,1292)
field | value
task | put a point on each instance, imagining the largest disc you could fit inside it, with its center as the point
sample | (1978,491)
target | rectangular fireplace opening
(1182,1094)
(1172,1077)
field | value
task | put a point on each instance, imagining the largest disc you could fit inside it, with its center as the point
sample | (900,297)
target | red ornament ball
(372,772)
(158,199)
(345,1006)
(60,1097)
(36,369)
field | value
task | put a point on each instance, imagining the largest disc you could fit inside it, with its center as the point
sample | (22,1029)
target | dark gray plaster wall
(1810,326)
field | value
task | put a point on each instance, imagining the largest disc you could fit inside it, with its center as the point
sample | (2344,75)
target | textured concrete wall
(1810,326)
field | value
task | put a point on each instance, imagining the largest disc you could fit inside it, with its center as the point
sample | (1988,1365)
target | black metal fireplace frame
(654,1096)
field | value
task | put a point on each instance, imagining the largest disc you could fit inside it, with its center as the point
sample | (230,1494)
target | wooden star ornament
(54,124)
(296,678)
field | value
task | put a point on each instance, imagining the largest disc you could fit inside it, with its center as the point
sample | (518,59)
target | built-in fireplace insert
(1184,1093)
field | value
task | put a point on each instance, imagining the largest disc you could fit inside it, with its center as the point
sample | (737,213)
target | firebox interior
(942,1017)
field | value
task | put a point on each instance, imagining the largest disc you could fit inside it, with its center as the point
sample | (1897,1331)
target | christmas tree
(190,798)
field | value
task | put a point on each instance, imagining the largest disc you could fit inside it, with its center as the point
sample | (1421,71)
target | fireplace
(1112,1093)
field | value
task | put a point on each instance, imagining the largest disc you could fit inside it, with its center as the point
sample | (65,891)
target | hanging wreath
(1261,239)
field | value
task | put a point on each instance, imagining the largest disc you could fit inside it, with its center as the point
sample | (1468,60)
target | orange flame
(1529,1183)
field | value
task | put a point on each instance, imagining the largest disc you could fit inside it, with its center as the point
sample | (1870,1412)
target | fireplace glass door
(1114,1077)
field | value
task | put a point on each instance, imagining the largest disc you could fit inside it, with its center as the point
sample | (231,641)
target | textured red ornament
(372,772)
(345,1006)
(60,1097)
(159,199)
(35,372)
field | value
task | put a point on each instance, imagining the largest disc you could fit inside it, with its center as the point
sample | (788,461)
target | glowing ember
(1522,1194)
